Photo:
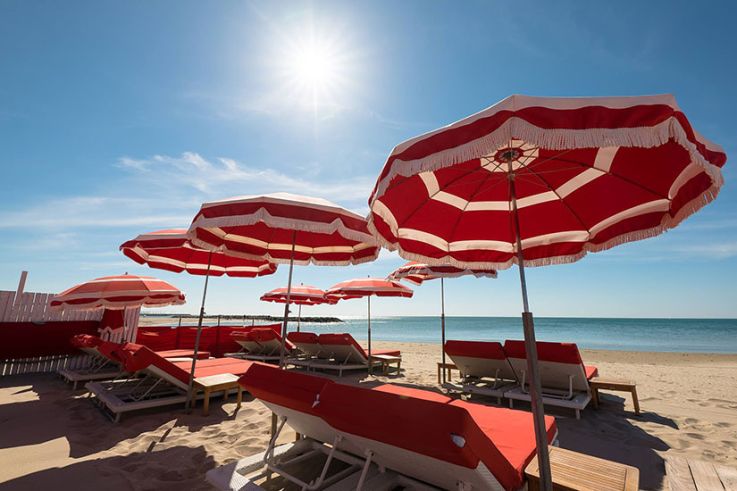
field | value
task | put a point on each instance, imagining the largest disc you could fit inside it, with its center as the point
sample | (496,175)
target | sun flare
(317,70)
(315,66)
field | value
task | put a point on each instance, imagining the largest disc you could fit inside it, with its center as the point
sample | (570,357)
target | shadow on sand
(176,468)
(83,425)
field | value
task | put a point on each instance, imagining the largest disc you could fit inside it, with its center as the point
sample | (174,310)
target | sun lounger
(389,437)
(563,376)
(339,352)
(163,382)
(484,368)
(261,344)
(106,363)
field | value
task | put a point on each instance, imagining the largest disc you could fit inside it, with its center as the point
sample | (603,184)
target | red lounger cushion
(546,351)
(476,349)
(292,390)
(513,437)
(346,339)
(510,430)
(303,337)
(403,391)
(503,439)
(555,352)
(183,353)
(216,366)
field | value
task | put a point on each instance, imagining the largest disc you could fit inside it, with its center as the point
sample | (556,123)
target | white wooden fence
(34,307)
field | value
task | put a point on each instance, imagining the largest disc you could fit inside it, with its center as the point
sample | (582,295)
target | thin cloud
(224,176)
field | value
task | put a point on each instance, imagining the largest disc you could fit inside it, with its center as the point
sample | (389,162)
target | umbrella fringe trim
(666,224)
(300,262)
(104,304)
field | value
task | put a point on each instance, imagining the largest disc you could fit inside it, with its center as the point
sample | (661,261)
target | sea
(670,335)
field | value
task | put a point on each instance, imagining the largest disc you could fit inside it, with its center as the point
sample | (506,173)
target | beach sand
(50,437)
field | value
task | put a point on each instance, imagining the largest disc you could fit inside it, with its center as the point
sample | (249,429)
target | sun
(315,66)
(316,69)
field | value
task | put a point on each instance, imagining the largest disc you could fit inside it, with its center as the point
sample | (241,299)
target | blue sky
(118,118)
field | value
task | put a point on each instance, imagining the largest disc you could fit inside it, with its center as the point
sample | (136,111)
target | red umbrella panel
(284,228)
(417,273)
(536,181)
(119,292)
(366,287)
(299,295)
(171,250)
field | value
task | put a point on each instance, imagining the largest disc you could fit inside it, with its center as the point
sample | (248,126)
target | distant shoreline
(230,318)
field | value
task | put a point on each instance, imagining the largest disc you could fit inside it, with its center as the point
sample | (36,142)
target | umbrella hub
(508,154)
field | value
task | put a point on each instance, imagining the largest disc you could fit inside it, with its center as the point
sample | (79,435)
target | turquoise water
(679,335)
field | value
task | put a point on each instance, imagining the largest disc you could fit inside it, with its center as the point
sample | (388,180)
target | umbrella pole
(369,335)
(299,317)
(538,411)
(286,305)
(442,323)
(190,388)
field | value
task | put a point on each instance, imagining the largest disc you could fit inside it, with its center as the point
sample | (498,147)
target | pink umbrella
(284,228)
(171,250)
(299,295)
(118,292)
(535,181)
(366,287)
(417,273)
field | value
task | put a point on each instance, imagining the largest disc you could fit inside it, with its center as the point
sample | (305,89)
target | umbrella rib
(617,176)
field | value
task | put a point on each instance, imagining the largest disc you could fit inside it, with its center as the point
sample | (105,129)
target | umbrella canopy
(589,173)
(284,228)
(536,181)
(299,295)
(416,272)
(119,292)
(366,287)
(171,250)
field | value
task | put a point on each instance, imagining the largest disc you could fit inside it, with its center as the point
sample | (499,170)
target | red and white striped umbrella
(589,173)
(417,273)
(536,181)
(366,287)
(119,292)
(299,295)
(171,250)
(284,228)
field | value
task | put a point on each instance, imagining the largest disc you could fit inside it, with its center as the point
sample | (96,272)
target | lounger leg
(578,414)
(366,467)
(206,403)
(635,401)
(595,398)
(439,370)
(511,404)
(239,397)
